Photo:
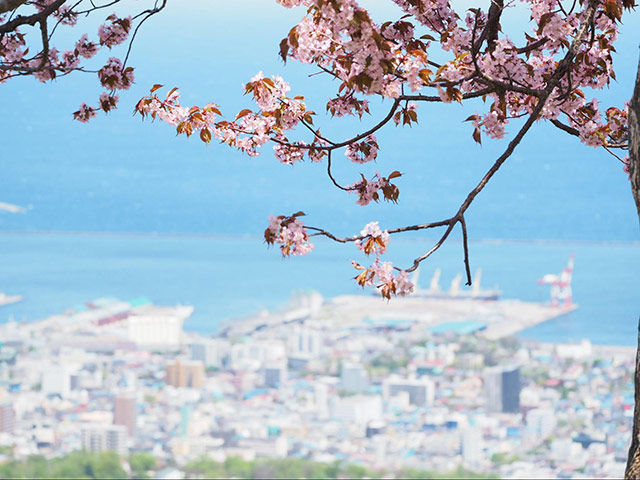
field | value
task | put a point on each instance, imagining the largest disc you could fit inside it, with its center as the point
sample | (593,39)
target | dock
(495,318)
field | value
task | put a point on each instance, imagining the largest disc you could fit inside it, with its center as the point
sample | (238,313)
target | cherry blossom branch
(373,129)
(532,46)
(576,133)
(465,248)
(331,175)
(564,127)
(410,228)
(490,31)
(459,217)
(11,25)
(551,85)
(434,98)
(98,7)
(149,14)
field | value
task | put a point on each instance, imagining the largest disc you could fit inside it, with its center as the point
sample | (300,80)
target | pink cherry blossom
(115,31)
(290,234)
(375,240)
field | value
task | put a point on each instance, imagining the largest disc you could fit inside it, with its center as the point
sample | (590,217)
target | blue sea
(230,276)
(124,208)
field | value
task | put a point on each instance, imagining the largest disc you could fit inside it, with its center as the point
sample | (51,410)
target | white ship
(454,292)
(8,299)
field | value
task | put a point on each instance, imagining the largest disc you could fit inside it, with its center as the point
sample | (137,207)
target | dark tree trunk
(633,463)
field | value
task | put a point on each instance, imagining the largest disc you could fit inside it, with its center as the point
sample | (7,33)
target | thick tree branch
(562,126)
(8,5)
(465,248)
(11,25)
(634,141)
(491,29)
(532,46)
(436,98)
(633,462)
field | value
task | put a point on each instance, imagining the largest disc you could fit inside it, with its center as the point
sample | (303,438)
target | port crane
(561,294)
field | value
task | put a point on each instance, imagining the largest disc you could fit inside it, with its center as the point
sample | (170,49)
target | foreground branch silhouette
(541,80)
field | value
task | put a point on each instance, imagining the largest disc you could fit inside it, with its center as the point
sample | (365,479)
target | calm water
(230,276)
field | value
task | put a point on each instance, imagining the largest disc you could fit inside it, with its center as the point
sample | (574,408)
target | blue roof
(104,301)
(387,322)
(138,301)
(460,328)
(254,392)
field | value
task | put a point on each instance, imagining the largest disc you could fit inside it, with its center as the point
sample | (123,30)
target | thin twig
(465,248)
(331,175)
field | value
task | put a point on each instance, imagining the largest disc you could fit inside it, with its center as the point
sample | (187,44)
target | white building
(541,422)
(321,391)
(305,342)
(354,378)
(358,409)
(56,380)
(99,438)
(158,327)
(471,445)
(421,391)
(252,355)
(266,447)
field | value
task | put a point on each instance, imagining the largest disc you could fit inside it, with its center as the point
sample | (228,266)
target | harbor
(491,319)
(433,310)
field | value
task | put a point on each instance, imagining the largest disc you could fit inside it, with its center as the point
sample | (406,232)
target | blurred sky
(119,174)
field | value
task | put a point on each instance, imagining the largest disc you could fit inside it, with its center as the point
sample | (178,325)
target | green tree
(206,467)
(141,463)
(238,468)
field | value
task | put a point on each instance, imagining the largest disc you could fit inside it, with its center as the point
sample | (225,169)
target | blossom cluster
(364,151)
(47,62)
(114,76)
(290,233)
(250,129)
(115,31)
(369,190)
(374,241)
(380,274)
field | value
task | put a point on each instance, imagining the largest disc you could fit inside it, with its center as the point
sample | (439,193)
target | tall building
(124,411)
(354,378)
(275,376)
(7,418)
(421,391)
(210,351)
(502,389)
(185,373)
(305,342)
(322,400)
(471,444)
(541,422)
(99,438)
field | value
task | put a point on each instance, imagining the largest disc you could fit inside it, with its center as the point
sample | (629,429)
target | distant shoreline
(496,241)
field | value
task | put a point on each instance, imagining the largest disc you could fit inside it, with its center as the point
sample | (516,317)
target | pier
(495,318)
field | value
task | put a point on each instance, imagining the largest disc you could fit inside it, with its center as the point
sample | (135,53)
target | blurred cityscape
(415,384)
